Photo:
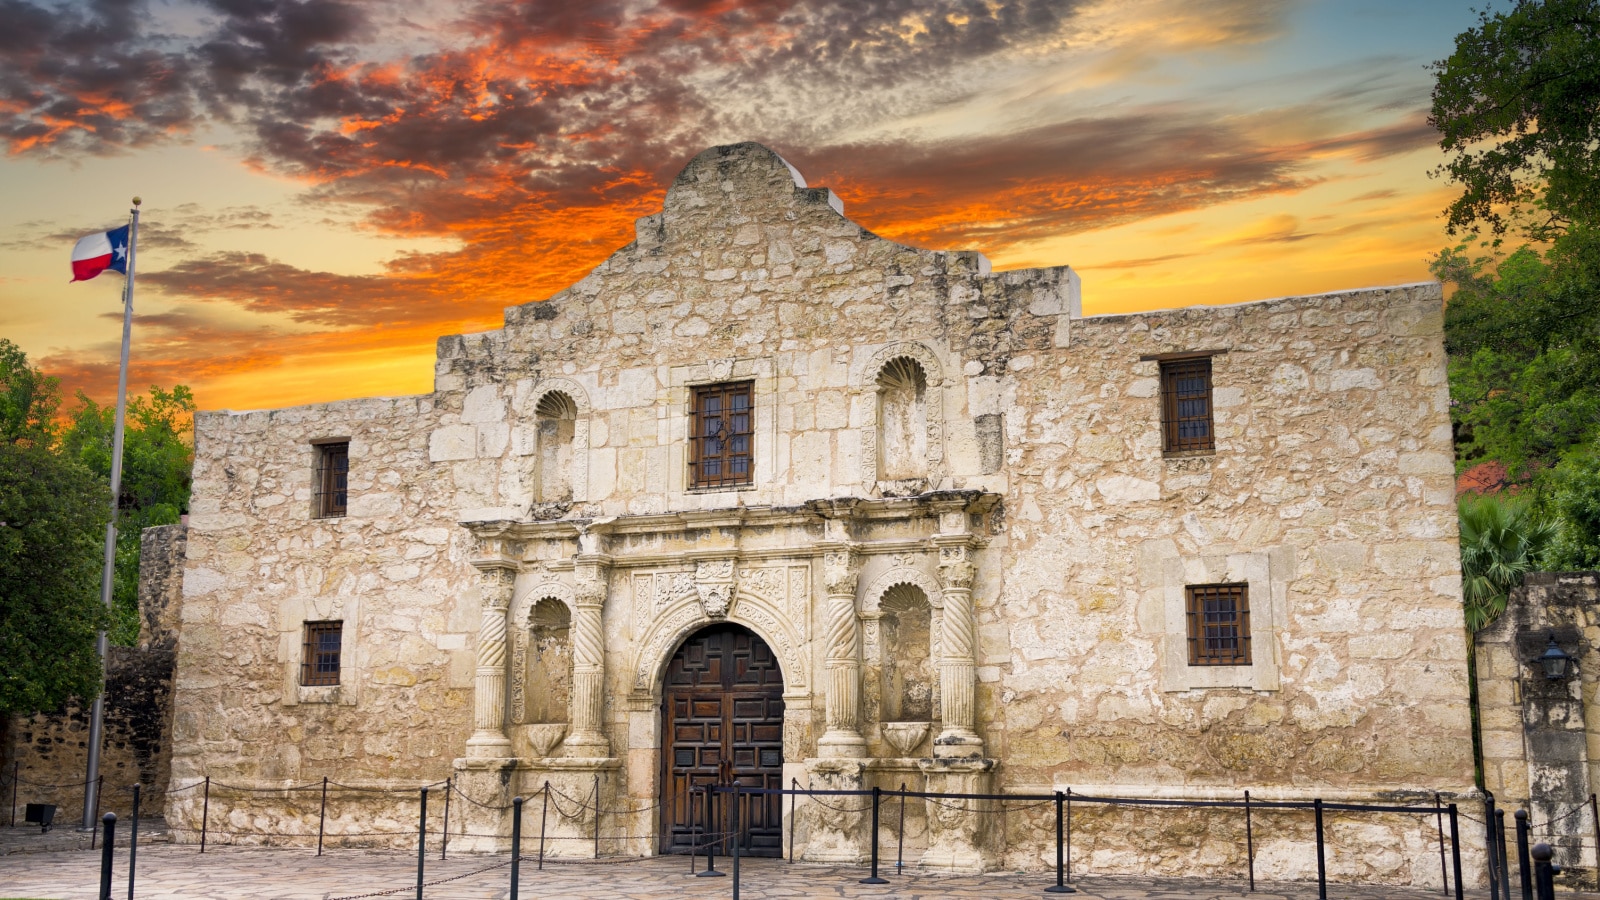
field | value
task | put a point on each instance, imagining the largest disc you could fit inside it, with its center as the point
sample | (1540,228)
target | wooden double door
(722,723)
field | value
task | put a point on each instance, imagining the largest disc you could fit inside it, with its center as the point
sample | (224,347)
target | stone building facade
(766,497)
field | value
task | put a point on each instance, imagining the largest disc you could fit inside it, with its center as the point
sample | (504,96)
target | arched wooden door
(722,722)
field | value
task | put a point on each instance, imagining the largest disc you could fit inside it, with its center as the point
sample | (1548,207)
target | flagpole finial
(137,201)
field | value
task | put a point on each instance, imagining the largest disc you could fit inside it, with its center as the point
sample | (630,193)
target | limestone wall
(51,749)
(1329,494)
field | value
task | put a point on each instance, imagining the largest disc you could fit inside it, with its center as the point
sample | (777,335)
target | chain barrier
(425,884)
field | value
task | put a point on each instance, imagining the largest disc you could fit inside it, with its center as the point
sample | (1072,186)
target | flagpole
(97,712)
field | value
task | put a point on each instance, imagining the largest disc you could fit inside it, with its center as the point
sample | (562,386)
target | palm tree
(1501,541)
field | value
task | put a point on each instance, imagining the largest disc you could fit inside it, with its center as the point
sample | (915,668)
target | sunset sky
(329,185)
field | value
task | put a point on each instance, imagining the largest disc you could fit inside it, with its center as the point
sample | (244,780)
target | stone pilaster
(955,840)
(489,686)
(958,665)
(840,569)
(838,831)
(588,737)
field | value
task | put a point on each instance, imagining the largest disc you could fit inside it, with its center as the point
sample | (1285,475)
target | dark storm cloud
(88,78)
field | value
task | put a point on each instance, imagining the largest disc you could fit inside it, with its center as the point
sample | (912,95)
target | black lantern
(1556,663)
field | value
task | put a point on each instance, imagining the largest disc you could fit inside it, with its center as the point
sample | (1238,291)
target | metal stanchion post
(1060,887)
(733,827)
(133,841)
(544,816)
(516,844)
(16,775)
(1322,863)
(1250,841)
(873,878)
(1455,848)
(711,841)
(1524,862)
(422,839)
(794,823)
(1069,835)
(106,854)
(444,830)
(1438,818)
(900,836)
(205,814)
(1544,883)
(1505,862)
(322,815)
(1492,847)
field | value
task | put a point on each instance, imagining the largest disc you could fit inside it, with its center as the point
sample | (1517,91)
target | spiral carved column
(588,737)
(840,569)
(958,666)
(489,686)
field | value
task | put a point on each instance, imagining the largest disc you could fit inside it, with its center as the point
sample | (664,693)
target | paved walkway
(229,873)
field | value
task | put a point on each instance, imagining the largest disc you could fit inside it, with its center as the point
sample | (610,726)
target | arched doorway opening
(722,722)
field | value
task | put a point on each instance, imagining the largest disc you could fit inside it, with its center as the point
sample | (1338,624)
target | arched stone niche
(902,439)
(902,617)
(557,474)
(541,659)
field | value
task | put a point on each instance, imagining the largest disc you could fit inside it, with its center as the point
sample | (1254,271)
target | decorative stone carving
(489,684)
(840,570)
(954,838)
(836,822)
(714,583)
(588,663)
(866,379)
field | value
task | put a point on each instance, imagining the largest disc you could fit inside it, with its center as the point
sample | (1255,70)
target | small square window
(723,428)
(1219,624)
(1186,425)
(320,660)
(331,487)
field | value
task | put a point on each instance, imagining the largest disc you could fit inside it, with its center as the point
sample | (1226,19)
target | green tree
(157,455)
(52,519)
(1515,105)
(1501,541)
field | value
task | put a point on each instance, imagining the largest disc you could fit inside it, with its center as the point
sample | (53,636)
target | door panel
(723,711)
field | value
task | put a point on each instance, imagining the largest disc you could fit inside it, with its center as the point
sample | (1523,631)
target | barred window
(330,490)
(720,451)
(320,660)
(1186,406)
(1219,624)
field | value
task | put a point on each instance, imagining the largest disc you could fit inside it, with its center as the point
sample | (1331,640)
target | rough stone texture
(1043,489)
(52,748)
(1541,738)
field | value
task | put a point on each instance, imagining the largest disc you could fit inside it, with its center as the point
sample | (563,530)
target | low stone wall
(49,752)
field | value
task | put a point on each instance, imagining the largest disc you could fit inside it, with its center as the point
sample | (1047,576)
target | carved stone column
(958,666)
(840,569)
(489,687)
(588,737)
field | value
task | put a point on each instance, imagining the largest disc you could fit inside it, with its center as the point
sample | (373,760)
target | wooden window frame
(726,459)
(1177,413)
(320,666)
(330,488)
(1219,635)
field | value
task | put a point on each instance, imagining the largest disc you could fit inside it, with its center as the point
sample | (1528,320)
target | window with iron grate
(320,657)
(721,452)
(1219,624)
(331,486)
(1186,425)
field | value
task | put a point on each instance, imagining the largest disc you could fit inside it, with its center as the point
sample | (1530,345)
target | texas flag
(98,252)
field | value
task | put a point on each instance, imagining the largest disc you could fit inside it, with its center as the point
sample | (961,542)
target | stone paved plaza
(171,871)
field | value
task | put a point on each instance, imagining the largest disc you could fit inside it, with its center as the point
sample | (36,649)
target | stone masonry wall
(52,748)
(1329,494)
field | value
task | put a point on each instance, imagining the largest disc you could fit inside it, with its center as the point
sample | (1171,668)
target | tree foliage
(52,519)
(157,455)
(1501,541)
(1518,107)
